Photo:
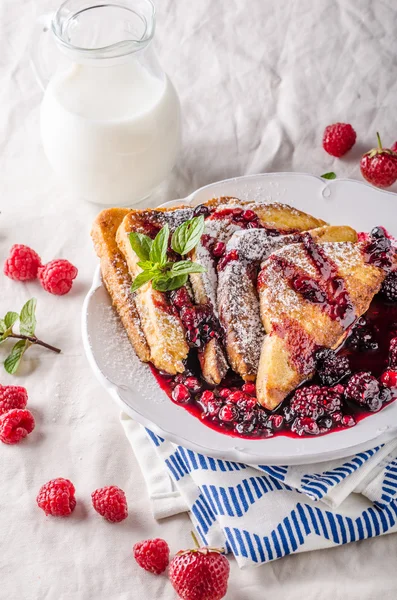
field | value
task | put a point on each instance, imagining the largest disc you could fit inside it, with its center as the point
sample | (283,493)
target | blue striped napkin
(261,513)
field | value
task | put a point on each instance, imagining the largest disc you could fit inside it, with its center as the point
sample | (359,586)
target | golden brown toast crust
(296,326)
(116,276)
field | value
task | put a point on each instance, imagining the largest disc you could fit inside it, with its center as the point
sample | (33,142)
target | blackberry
(315,401)
(332,368)
(364,389)
(325,423)
(201,209)
(393,353)
(362,338)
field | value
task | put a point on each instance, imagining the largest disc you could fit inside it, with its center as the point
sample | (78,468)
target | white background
(258,82)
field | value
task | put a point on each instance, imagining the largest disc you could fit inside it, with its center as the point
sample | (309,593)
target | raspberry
(389,287)
(219,249)
(249,388)
(15,425)
(22,263)
(236,396)
(152,555)
(331,368)
(225,392)
(338,139)
(379,166)
(12,396)
(348,421)
(393,353)
(275,422)
(57,276)
(180,394)
(364,389)
(193,384)
(315,401)
(56,497)
(305,425)
(110,502)
(389,379)
(228,413)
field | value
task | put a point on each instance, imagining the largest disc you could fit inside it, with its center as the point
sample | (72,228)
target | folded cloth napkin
(261,513)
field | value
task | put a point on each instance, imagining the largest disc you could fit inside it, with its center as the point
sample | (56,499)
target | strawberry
(200,574)
(379,166)
(338,139)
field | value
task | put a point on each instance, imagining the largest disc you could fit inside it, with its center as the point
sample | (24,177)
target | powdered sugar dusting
(116,358)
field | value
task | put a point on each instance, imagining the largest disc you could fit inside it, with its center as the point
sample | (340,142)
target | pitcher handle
(43,25)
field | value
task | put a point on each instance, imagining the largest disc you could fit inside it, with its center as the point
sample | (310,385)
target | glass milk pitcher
(110,117)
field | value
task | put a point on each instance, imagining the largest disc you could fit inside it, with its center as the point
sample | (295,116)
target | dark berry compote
(348,385)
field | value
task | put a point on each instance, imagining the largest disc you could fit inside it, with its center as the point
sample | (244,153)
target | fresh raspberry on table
(12,396)
(200,574)
(15,425)
(56,497)
(338,139)
(22,263)
(110,502)
(379,166)
(152,555)
(57,276)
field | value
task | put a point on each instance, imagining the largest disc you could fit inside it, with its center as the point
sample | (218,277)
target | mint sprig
(330,175)
(166,275)
(26,335)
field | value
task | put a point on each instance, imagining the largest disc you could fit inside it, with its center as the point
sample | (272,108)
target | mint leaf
(187,235)
(330,175)
(141,244)
(183,267)
(27,324)
(12,361)
(3,326)
(141,279)
(166,283)
(146,265)
(10,319)
(158,250)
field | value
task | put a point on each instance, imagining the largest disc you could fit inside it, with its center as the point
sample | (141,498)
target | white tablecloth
(258,82)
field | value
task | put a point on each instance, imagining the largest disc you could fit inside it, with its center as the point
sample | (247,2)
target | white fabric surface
(258,82)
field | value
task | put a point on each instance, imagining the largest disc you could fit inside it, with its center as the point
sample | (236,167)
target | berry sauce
(348,385)
(231,407)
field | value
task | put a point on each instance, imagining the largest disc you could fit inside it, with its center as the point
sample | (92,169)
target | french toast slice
(163,329)
(237,294)
(116,276)
(310,296)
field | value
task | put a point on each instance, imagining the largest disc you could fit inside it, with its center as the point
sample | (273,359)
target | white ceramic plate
(132,386)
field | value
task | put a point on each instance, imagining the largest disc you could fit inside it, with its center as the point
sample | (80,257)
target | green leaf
(165,283)
(187,235)
(3,326)
(330,175)
(183,267)
(141,279)
(146,265)
(158,250)
(12,361)
(141,244)
(10,319)
(27,317)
